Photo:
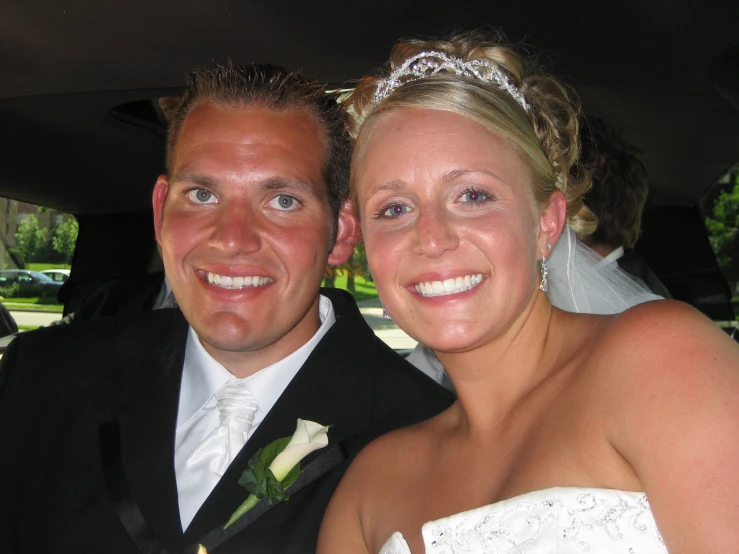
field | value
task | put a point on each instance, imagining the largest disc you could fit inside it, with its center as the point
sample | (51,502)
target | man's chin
(232,340)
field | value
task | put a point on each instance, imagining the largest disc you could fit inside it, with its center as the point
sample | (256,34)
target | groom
(129,434)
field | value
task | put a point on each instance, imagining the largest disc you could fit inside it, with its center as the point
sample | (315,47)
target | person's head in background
(620,185)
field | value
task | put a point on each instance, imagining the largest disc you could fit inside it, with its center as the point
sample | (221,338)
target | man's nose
(435,232)
(237,230)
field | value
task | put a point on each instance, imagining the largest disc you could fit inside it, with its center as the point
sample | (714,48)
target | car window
(57,276)
(41,277)
(33,239)
(720,210)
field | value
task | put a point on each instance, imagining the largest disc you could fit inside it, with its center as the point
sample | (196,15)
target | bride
(572,432)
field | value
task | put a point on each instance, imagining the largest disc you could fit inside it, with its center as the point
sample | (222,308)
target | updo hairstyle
(546,135)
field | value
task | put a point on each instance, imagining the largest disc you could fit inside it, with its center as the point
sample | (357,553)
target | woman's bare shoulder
(661,334)
(667,383)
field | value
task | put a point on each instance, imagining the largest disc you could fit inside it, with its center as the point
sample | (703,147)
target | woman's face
(450,227)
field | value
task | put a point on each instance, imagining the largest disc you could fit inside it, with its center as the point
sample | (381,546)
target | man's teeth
(448,286)
(228,282)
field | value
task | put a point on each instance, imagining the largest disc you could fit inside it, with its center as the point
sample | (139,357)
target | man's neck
(242,364)
(599,247)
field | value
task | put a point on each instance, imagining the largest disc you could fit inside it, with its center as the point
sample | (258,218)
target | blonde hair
(546,135)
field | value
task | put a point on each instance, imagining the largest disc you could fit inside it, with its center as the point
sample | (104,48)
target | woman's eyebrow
(393,186)
(454,174)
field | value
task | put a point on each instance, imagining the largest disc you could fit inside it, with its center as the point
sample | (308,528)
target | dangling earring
(544,285)
(385,314)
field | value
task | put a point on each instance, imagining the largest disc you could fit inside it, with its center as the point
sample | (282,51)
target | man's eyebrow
(280,183)
(205,181)
(454,174)
(273,183)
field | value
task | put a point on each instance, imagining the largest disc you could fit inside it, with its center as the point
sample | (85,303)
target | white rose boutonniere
(277,466)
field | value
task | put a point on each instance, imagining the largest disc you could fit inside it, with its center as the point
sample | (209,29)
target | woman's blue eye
(474,196)
(395,210)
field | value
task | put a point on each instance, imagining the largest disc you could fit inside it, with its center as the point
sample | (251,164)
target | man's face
(244,226)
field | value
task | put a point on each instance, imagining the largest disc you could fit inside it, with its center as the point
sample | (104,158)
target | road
(35,318)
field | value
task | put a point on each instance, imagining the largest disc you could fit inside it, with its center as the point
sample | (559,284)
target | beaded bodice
(563,520)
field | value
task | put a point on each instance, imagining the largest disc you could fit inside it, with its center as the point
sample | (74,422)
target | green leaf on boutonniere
(259,480)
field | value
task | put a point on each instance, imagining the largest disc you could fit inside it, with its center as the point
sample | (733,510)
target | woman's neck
(492,379)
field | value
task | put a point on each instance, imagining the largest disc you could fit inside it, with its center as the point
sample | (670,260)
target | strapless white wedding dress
(563,520)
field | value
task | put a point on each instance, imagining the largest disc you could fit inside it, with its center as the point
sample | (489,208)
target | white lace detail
(564,520)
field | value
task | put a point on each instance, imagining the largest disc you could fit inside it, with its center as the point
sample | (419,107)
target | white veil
(580,280)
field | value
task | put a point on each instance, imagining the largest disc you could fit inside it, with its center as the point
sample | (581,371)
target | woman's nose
(435,233)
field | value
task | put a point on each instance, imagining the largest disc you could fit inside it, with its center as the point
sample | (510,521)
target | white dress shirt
(614,256)
(198,417)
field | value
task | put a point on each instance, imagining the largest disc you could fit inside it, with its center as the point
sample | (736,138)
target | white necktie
(236,407)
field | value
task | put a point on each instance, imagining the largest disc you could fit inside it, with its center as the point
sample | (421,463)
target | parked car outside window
(57,275)
(29,283)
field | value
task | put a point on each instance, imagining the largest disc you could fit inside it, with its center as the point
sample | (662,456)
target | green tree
(350,286)
(723,231)
(65,237)
(360,257)
(30,237)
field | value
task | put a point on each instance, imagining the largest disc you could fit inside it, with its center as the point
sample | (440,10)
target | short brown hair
(620,183)
(276,89)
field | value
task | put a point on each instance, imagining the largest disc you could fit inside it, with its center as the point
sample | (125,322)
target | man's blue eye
(284,202)
(201,196)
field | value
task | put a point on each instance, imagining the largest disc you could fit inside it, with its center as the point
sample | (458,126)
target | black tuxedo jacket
(87,427)
(127,295)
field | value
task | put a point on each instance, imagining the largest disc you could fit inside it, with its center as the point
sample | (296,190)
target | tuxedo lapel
(147,427)
(331,388)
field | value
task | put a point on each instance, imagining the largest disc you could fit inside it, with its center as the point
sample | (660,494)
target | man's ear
(347,235)
(157,200)
(552,220)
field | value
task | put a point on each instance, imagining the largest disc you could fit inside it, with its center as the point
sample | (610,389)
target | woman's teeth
(228,282)
(448,286)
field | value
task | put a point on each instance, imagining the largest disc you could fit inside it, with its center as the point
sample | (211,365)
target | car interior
(82,126)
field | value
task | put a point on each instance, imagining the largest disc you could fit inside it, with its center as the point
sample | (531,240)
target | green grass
(364,289)
(26,300)
(27,327)
(31,304)
(42,267)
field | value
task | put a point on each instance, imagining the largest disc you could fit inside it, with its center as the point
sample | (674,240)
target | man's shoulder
(103,341)
(93,330)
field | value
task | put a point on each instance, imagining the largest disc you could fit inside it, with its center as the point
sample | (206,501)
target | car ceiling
(66,65)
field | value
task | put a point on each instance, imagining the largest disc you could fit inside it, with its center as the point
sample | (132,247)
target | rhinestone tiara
(428,64)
